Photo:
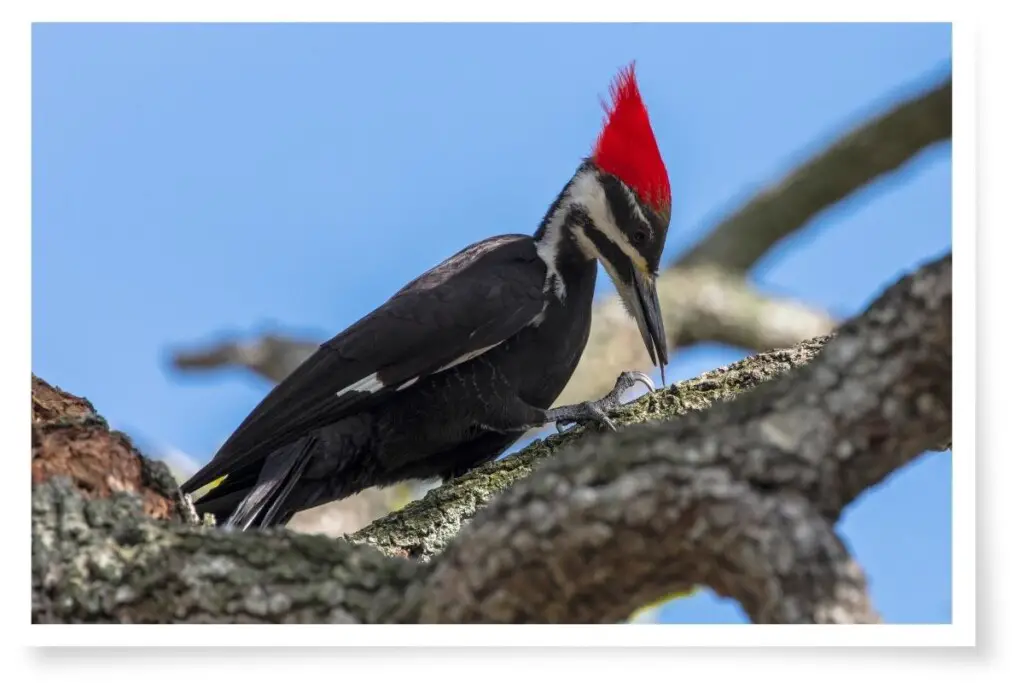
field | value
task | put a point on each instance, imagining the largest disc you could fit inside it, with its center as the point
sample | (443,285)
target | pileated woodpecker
(469,356)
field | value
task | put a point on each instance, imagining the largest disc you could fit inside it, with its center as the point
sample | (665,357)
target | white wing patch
(368,385)
(539,318)
(372,383)
(467,356)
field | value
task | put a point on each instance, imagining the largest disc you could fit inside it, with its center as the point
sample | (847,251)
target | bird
(469,356)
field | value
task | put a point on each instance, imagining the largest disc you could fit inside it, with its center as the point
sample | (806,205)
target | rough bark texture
(740,498)
(69,439)
(735,485)
(103,561)
(423,528)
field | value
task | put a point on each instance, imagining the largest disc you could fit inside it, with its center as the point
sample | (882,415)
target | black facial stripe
(652,218)
(622,208)
(620,262)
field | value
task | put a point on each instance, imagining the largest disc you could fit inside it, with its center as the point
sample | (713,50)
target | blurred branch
(699,304)
(879,146)
(271,356)
(740,496)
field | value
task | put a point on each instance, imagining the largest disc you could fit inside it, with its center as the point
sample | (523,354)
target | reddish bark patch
(69,439)
(51,403)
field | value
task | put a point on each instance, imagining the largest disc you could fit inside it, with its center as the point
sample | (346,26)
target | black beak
(652,327)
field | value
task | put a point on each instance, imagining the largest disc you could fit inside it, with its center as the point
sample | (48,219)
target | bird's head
(621,204)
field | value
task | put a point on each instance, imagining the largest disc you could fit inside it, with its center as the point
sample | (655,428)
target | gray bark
(737,490)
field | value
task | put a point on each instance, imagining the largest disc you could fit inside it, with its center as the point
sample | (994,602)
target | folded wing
(466,305)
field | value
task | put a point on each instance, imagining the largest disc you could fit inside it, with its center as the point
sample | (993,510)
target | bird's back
(427,325)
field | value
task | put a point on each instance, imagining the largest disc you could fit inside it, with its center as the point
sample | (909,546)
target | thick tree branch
(104,561)
(424,527)
(740,497)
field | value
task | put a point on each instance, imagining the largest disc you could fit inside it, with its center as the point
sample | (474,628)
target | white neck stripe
(585,192)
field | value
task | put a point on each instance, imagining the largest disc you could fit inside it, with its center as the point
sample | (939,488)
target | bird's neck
(566,259)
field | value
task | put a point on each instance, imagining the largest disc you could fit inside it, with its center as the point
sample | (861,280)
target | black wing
(474,300)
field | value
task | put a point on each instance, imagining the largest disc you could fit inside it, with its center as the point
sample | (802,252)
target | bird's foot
(596,412)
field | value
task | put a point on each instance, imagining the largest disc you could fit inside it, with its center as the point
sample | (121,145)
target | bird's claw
(596,414)
(624,382)
(589,412)
(597,411)
(629,379)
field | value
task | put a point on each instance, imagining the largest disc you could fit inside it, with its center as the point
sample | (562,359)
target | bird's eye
(639,236)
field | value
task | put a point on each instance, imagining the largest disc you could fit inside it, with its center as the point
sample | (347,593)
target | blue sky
(190,180)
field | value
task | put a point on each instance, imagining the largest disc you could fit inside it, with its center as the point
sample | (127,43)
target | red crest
(626,147)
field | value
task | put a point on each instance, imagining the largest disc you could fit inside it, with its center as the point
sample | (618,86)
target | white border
(542,636)
(14,42)
(470,11)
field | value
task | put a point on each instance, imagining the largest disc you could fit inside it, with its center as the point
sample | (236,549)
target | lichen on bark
(422,529)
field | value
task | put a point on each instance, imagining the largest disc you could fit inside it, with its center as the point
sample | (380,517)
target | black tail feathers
(258,497)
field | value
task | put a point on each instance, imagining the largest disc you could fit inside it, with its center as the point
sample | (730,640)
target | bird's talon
(629,379)
(639,377)
(600,417)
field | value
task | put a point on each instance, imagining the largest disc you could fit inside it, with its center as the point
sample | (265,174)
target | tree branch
(105,561)
(271,356)
(739,496)
(699,304)
(880,146)
(424,527)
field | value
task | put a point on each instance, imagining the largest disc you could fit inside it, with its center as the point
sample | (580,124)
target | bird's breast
(539,361)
